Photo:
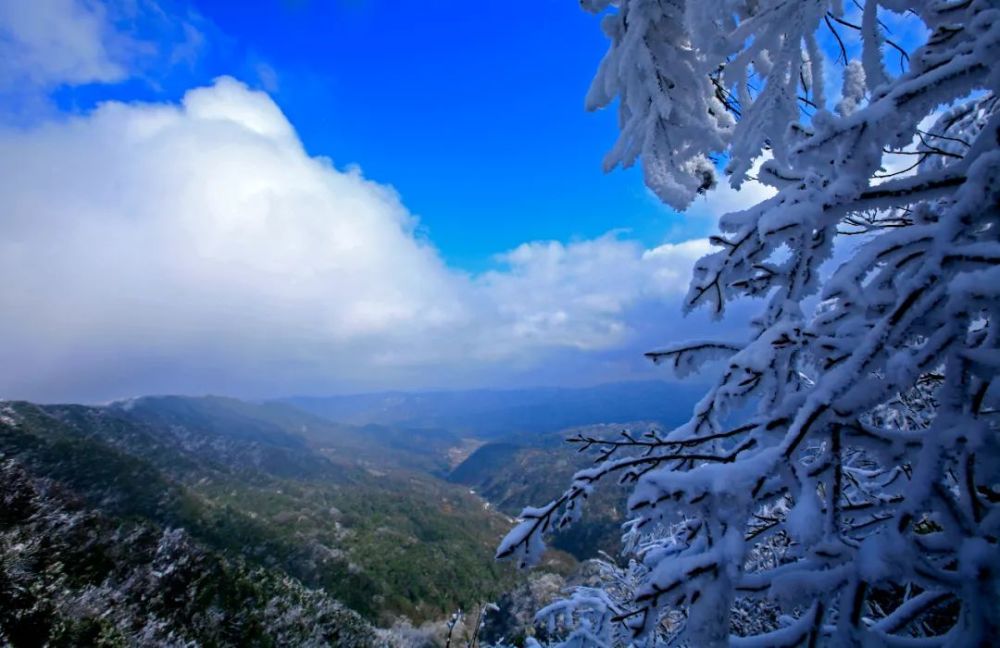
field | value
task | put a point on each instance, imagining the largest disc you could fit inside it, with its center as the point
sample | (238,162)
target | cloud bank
(198,247)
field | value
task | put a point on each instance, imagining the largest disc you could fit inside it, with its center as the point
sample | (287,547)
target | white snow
(851,441)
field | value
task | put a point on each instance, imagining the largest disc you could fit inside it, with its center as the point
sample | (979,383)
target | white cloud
(46,43)
(577,294)
(50,44)
(197,247)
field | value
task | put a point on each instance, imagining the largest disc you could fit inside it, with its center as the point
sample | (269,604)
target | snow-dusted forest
(838,483)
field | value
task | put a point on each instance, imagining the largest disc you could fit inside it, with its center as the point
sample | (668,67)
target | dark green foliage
(71,576)
(384,540)
(536,470)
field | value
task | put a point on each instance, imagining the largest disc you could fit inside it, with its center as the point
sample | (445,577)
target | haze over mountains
(349,513)
(488,412)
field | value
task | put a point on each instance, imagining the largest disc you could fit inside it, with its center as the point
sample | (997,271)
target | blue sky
(472,111)
(304,197)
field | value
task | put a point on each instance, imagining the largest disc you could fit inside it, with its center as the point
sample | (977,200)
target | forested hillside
(71,575)
(526,469)
(229,522)
(239,486)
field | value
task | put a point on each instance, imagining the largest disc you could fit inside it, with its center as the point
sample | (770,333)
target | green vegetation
(384,540)
(72,576)
(529,470)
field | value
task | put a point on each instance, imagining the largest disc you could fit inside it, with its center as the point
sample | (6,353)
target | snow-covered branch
(857,504)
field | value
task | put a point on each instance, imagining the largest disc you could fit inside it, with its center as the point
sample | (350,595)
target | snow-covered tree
(842,477)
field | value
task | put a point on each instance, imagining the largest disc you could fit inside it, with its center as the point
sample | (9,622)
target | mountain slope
(382,539)
(527,470)
(71,575)
(286,430)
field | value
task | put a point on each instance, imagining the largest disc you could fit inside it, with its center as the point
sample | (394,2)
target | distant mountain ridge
(359,504)
(284,427)
(492,413)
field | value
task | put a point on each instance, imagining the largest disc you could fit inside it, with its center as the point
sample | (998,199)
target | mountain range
(351,512)
(490,413)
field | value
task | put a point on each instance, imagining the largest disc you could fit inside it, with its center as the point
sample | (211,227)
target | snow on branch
(689,357)
(840,482)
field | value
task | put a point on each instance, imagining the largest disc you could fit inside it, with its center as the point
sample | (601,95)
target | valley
(383,523)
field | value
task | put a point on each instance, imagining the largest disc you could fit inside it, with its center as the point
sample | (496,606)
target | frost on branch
(859,501)
(669,115)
